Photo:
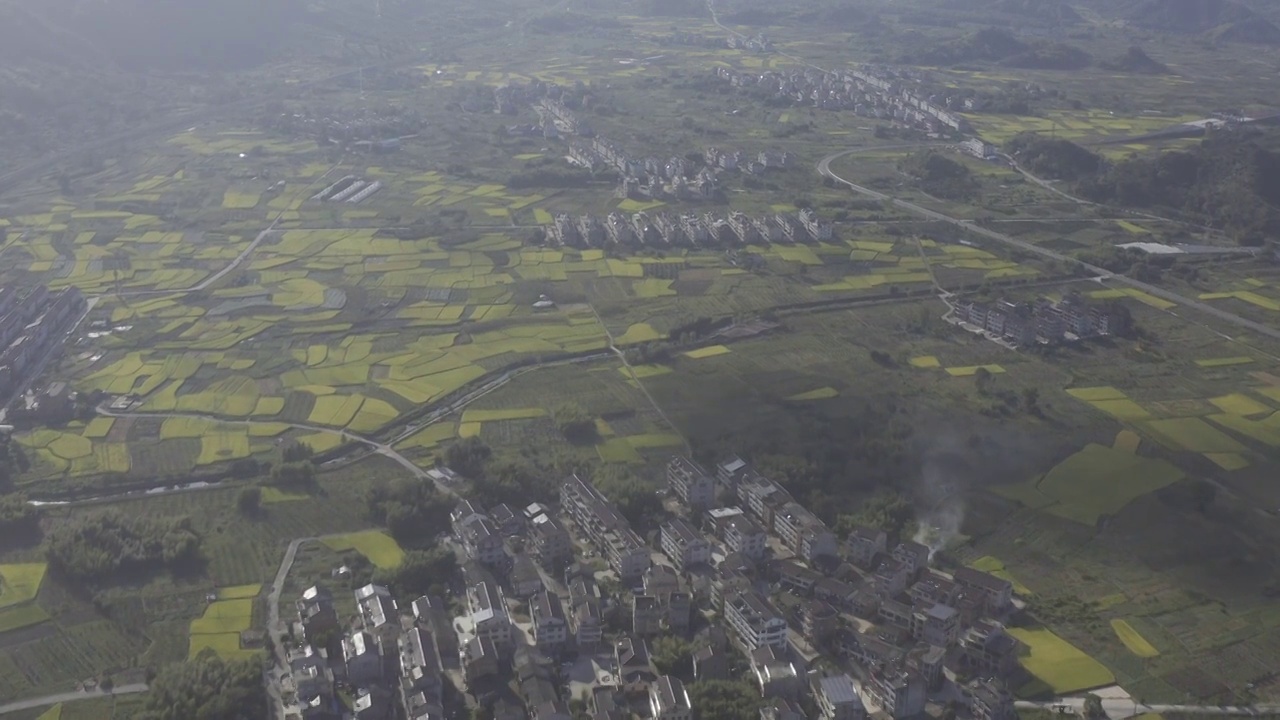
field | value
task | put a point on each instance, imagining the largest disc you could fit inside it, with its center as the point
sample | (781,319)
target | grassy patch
(98,427)
(240,592)
(1126,409)
(1133,640)
(272,495)
(618,450)
(226,645)
(1091,394)
(20,583)
(1059,664)
(638,333)
(706,352)
(1096,481)
(822,393)
(1238,404)
(381,549)
(973,370)
(20,617)
(1224,362)
(1191,434)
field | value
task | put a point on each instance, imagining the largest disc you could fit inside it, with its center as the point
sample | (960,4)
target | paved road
(276,629)
(71,697)
(1121,708)
(824,168)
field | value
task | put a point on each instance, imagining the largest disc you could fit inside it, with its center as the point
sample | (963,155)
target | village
(672,229)
(562,605)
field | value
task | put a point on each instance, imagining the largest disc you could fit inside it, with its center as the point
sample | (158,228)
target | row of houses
(861,91)
(679,229)
(31,323)
(1044,320)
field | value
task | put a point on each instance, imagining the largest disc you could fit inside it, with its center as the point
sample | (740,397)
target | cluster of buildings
(553,101)
(348,189)
(825,627)
(32,321)
(370,129)
(1043,320)
(665,229)
(389,662)
(865,92)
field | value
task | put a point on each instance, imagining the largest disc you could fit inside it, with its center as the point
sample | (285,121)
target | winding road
(67,697)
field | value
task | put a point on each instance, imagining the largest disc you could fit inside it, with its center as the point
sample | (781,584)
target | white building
(487,611)
(684,544)
(754,620)
(668,700)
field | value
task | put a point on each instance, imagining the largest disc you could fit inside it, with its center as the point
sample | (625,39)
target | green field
(1096,481)
(14,618)
(995,566)
(1059,664)
(381,549)
(20,583)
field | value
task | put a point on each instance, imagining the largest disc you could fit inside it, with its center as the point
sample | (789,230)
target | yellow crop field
(1191,434)
(20,583)
(1223,362)
(973,370)
(267,429)
(20,617)
(1130,227)
(234,199)
(1133,640)
(268,406)
(1238,404)
(99,427)
(1262,431)
(184,427)
(53,713)
(505,414)
(822,393)
(217,447)
(1228,461)
(654,440)
(1122,409)
(926,362)
(644,371)
(618,450)
(469,429)
(70,447)
(707,352)
(430,436)
(239,592)
(652,288)
(381,549)
(1127,440)
(373,414)
(321,441)
(335,410)
(225,645)
(1059,664)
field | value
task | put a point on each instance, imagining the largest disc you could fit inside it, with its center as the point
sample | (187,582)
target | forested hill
(1227,20)
(1231,180)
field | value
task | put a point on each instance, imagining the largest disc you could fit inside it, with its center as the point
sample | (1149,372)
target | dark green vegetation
(1230,180)
(1000,46)
(112,546)
(938,174)
(1059,159)
(1135,60)
(207,689)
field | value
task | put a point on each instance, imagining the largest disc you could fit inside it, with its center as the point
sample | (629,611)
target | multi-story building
(550,630)
(482,543)
(363,657)
(914,555)
(838,698)
(997,591)
(463,514)
(986,648)
(604,526)
(989,700)
(421,683)
(754,620)
(818,620)
(646,615)
(525,579)
(690,483)
(551,543)
(939,625)
(585,620)
(378,611)
(802,532)
(487,611)
(730,472)
(684,544)
(744,535)
(898,693)
(316,612)
(668,700)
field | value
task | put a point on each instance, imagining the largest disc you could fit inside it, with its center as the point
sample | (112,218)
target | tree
(575,424)
(413,511)
(673,656)
(294,474)
(725,700)
(468,456)
(636,500)
(419,571)
(108,544)
(249,501)
(1093,706)
(1031,401)
(207,688)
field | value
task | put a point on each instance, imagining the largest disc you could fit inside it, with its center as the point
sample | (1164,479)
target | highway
(824,168)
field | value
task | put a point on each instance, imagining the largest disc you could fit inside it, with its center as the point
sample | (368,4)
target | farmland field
(379,547)
(1059,664)
(1133,640)
(19,583)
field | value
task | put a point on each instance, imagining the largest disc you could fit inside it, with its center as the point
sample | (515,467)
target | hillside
(1135,61)
(1053,158)
(995,45)
(1224,20)
(1231,181)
